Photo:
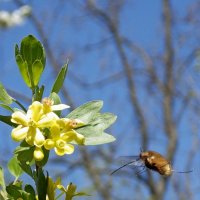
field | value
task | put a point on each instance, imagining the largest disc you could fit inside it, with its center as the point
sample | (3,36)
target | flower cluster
(41,127)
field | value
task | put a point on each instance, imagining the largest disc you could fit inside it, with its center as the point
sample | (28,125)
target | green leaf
(31,50)
(95,123)
(38,93)
(41,184)
(31,60)
(101,139)
(4,96)
(16,192)
(81,194)
(13,191)
(23,68)
(2,181)
(7,120)
(86,111)
(97,126)
(25,156)
(5,106)
(2,196)
(51,189)
(14,167)
(3,193)
(60,79)
(89,131)
(37,69)
(56,99)
(29,189)
(103,121)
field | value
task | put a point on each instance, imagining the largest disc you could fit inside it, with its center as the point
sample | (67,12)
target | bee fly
(150,160)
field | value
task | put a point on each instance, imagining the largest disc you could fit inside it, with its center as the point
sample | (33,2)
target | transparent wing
(130,162)
(133,160)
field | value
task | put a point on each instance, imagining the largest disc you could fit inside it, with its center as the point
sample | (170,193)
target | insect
(150,160)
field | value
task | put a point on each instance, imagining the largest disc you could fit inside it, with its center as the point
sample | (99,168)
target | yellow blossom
(40,118)
(38,154)
(48,105)
(60,139)
(30,124)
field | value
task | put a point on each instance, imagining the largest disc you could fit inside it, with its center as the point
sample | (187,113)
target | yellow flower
(61,147)
(38,154)
(31,124)
(68,124)
(49,107)
(41,119)
(59,143)
(74,136)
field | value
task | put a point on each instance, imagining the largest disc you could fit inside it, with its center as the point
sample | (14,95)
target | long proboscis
(183,172)
(122,167)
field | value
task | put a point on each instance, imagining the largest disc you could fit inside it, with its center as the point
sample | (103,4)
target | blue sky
(68,30)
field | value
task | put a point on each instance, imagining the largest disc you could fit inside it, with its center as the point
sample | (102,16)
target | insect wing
(127,163)
(134,161)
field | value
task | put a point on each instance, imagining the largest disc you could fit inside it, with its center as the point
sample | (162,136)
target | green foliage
(52,188)
(86,125)
(41,183)
(38,93)
(70,191)
(24,155)
(56,99)
(86,111)
(5,98)
(2,182)
(17,192)
(6,107)
(14,167)
(3,193)
(29,189)
(30,58)
(60,79)
(6,119)
(95,122)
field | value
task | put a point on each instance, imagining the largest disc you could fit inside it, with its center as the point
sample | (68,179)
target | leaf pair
(95,121)
(30,58)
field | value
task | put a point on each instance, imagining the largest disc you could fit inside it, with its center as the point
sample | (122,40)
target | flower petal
(59,152)
(19,133)
(69,149)
(55,131)
(19,117)
(60,144)
(59,107)
(47,120)
(80,139)
(49,144)
(35,111)
(39,138)
(68,136)
(31,136)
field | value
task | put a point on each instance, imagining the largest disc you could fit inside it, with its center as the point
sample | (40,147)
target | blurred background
(142,58)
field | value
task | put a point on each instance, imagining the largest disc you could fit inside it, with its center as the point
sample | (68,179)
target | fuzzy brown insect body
(155,161)
(150,160)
